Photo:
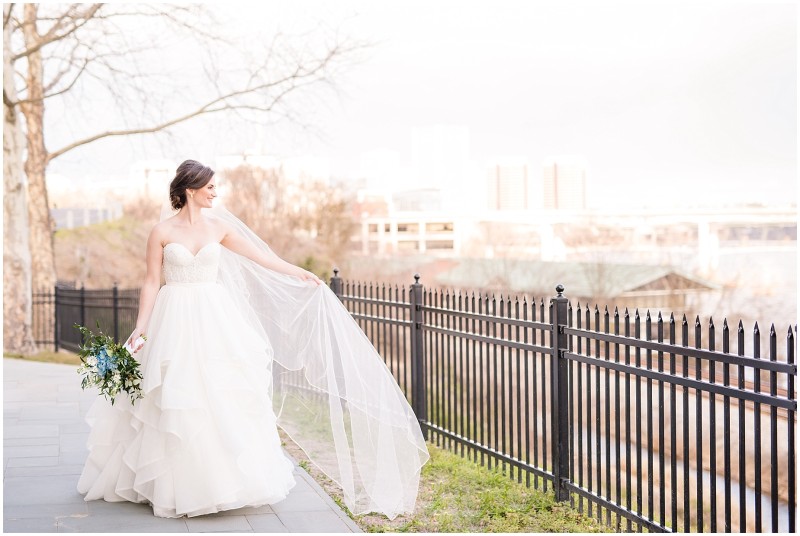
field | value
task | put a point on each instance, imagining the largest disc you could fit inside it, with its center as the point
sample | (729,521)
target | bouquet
(108,365)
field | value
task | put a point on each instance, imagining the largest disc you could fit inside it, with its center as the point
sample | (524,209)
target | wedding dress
(233,351)
(203,438)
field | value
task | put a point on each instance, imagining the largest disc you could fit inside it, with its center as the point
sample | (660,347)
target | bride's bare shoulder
(160,230)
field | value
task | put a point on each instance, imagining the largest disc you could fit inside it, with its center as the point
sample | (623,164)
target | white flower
(91,360)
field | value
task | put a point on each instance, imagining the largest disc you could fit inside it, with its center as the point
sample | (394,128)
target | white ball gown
(204,437)
(233,351)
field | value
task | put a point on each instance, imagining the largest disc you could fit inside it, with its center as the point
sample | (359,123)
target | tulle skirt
(204,437)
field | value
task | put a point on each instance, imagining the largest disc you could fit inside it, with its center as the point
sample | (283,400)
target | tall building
(565,183)
(508,185)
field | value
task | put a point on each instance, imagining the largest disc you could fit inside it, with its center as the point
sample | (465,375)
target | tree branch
(7,9)
(51,36)
(299,77)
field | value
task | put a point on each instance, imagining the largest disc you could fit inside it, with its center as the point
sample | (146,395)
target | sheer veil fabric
(331,391)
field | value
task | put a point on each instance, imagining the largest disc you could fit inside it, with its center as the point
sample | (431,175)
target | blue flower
(104,362)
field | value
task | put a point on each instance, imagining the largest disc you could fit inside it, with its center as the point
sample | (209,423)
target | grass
(64,358)
(458,495)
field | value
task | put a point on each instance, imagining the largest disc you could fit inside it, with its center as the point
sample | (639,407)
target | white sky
(670,103)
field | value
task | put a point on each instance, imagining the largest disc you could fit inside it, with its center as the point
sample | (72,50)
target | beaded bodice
(181,266)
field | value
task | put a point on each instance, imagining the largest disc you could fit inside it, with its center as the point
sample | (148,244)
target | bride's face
(204,196)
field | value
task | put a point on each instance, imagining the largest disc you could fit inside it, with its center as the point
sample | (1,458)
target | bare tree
(59,49)
(309,223)
(17,293)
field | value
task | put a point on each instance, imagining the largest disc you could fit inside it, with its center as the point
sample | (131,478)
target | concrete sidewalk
(44,447)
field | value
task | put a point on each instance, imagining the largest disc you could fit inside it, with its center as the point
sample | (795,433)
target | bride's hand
(133,338)
(305,275)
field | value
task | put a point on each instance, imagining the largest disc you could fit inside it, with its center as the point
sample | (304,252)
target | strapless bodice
(182,267)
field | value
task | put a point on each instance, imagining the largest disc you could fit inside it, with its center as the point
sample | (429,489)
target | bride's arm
(152,282)
(239,244)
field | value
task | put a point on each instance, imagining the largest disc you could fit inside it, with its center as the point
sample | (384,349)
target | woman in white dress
(240,341)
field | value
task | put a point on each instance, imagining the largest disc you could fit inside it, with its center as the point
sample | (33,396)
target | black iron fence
(629,418)
(57,310)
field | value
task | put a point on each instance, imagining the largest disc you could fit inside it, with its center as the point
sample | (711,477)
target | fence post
(560,395)
(83,305)
(336,283)
(55,318)
(418,387)
(115,303)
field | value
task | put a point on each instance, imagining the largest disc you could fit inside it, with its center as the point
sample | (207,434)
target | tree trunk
(41,229)
(17,300)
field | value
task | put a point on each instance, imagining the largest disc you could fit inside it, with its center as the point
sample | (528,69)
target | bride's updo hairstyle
(189,175)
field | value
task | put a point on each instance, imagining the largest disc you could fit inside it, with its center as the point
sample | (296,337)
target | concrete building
(508,185)
(408,233)
(564,183)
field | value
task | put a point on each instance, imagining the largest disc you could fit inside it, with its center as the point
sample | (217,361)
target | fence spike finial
(335,271)
(725,323)
(741,326)
(756,331)
(672,318)
(772,330)
(697,321)
(560,290)
(711,321)
(416,278)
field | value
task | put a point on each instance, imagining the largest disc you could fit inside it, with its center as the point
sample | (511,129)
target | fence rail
(629,418)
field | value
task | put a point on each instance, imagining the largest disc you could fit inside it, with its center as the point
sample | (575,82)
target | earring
(191,195)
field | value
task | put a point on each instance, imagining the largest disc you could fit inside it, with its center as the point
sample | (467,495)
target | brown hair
(190,174)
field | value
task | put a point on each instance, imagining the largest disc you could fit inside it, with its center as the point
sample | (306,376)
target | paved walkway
(44,447)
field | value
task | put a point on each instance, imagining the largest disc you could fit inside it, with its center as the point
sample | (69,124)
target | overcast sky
(668,102)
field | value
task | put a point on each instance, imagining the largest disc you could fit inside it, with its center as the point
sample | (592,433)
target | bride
(239,342)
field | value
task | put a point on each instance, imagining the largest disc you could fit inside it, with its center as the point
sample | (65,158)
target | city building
(408,233)
(508,185)
(564,183)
